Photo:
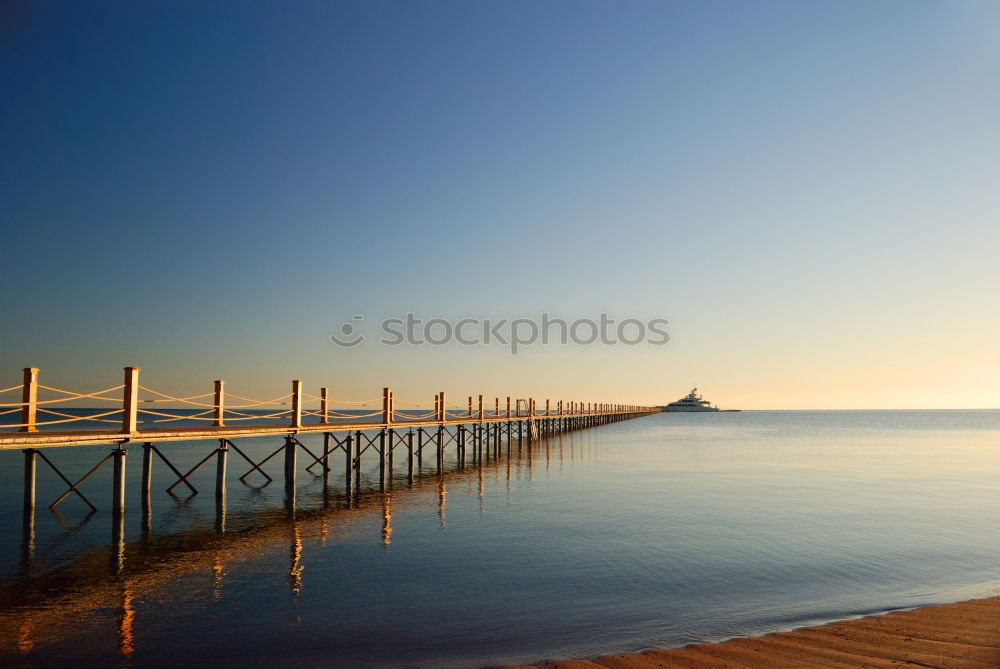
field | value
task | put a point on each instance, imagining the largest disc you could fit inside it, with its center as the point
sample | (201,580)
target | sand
(966,634)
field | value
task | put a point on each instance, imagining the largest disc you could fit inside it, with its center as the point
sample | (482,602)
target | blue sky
(805,190)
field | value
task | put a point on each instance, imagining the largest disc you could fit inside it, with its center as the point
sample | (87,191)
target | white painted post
(296,403)
(130,401)
(219,404)
(29,400)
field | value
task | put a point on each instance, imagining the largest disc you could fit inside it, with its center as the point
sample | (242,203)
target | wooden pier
(474,430)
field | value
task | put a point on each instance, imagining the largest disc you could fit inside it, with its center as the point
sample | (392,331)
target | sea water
(652,532)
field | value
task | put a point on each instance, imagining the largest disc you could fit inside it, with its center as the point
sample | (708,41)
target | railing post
(547,407)
(442,408)
(480,407)
(30,467)
(470,406)
(496,411)
(220,469)
(130,402)
(290,463)
(147,473)
(324,405)
(29,400)
(219,408)
(386,406)
(508,407)
(296,403)
(118,497)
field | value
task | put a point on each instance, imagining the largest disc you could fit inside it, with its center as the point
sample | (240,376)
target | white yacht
(692,402)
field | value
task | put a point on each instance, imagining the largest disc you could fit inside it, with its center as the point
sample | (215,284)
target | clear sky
(807,191)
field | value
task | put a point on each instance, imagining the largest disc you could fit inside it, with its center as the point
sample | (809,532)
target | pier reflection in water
(66,600)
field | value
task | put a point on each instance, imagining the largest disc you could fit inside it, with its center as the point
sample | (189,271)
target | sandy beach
(949,636)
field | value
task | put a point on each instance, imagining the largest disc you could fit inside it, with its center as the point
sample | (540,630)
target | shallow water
(656,531)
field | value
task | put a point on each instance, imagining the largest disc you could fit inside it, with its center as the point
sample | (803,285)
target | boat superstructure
(691,402)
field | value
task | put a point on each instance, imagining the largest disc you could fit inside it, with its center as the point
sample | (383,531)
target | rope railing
(280,414)
(90,417)
(214,408)
(175,417)
(172,399)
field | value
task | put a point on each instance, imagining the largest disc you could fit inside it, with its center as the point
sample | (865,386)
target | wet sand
(966,634)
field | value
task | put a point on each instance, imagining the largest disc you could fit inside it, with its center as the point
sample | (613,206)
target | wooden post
(324,405)
(30,469)
(409,460)
(296,403)
(147,473)
(118,505)
(219,408)
(440,443)
(496,411)
(480,407)
(290,462)
(391,450)
(357,460)
(130,403)
(442,408)
(548,410)
(386,406)
(381,459)
(470,406)
(508,407)
(348,465)
(29,400)
(220,470)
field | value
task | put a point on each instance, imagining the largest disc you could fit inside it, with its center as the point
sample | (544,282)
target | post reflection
(113,581)
(126,620)
(295,561)
(386,520)
(442,499)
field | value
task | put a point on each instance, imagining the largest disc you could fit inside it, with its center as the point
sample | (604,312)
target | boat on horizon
(691,402)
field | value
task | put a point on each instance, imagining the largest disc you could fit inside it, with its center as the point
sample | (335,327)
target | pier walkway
(134,414)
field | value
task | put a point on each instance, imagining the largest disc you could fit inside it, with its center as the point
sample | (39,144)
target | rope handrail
(79,395)
(65,420)
(412,403)
(175,399)
(69,398)
(187,400)
(4,413)
(280,414)
(183,400)
(364,415)
(361,403)
(99,417)
(7,390)
(340,414)
(244,415)
(254,403)
(422,416)
(69,415)
(196,416)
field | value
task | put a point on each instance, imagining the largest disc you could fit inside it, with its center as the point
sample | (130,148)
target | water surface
(657,531)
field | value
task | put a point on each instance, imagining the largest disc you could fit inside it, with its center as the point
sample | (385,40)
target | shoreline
(962,635)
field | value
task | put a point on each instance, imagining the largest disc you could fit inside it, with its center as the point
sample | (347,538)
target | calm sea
(657,531)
